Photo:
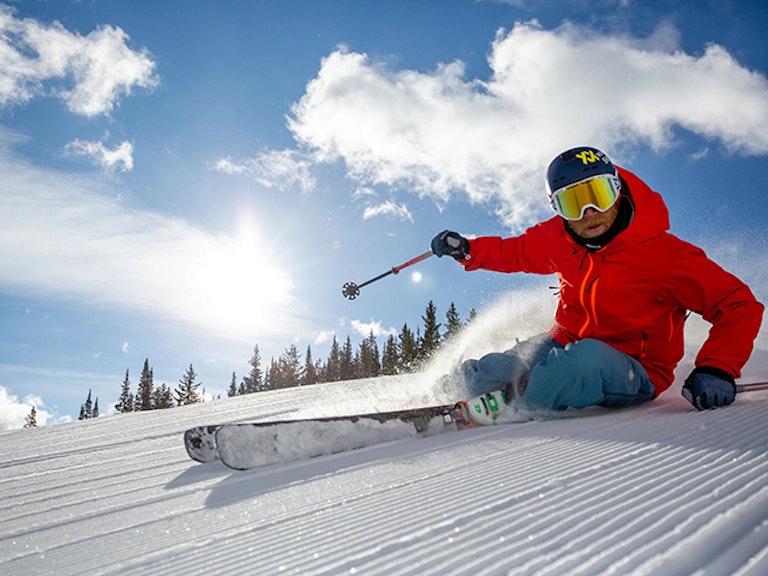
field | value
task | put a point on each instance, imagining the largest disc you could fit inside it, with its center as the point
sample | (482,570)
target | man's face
(594,223)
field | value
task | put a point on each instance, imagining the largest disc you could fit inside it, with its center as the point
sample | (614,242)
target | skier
(626,286)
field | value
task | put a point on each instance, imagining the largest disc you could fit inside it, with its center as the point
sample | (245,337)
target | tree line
(151,397)
(405,352)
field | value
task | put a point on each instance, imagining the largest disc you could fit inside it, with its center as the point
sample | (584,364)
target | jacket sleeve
(524,253)
(702,286)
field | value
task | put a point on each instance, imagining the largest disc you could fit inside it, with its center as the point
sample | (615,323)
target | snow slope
(660,489)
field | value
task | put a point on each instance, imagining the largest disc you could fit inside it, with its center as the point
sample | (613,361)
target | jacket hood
(651,215)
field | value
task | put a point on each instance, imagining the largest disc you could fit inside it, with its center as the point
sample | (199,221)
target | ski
(200,441)
(243,446)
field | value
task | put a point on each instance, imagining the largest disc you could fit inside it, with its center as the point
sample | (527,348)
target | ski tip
(200,443)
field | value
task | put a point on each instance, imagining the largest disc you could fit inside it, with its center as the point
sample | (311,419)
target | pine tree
(408,349)
(187,392)
(162,397)
(286,372)
(89,406)
(31,419)
(309,372)
(357,366)
(333,366)
(232,390)
(389,358)
(278,372)
(95,413)
(375,357)
(144,392)
(370,364)
(346,361)
(453,323)
(268,383)
(252,382)
(86,410)
(430,341)
(125,402)
(320,371)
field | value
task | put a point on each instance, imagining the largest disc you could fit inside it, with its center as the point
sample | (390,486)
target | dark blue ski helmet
(578,164)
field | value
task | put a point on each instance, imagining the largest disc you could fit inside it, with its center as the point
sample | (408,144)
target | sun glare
(240,291)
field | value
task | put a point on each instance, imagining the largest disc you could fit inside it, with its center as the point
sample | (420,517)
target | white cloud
(70,236)
(365,329)
(438,134)
(13,412)
(398,211)
(324,336)
(364,192)
(89,73)
(279,169)
(120,157)
(700,155)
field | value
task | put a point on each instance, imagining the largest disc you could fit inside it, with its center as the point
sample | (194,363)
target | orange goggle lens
(599,193)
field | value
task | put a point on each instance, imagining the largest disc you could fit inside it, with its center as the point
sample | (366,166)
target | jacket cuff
(727,376)
(469,260)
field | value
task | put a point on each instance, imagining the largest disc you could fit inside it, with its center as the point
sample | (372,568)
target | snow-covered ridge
(660,489)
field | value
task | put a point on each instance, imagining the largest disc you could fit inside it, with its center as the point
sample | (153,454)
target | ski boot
(479,411)
(485,410)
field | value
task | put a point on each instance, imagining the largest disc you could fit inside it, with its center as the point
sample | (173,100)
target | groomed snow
(660,489)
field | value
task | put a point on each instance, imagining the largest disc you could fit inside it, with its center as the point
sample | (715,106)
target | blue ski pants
(539,373)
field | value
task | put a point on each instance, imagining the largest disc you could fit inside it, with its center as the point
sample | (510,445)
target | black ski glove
(449,243)
(709,388)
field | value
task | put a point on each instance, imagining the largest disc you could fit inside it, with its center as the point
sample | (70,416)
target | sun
(236,288)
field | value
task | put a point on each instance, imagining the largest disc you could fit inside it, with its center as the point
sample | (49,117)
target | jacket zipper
(587,289)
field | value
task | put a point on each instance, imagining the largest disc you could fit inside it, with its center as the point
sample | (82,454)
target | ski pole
(753,387)
(352,290)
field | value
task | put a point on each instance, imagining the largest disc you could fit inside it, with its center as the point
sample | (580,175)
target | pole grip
(412,261)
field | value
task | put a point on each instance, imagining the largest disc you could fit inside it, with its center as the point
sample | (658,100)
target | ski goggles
(599,192)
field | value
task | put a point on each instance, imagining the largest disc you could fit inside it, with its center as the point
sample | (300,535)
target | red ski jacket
(635,293)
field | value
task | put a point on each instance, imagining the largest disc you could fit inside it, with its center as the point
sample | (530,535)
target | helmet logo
(587,156)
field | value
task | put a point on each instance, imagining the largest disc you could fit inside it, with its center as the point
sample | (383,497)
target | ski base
(243,446)
(249,445)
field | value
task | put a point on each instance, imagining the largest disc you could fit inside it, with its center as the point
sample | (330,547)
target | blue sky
(184,180)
